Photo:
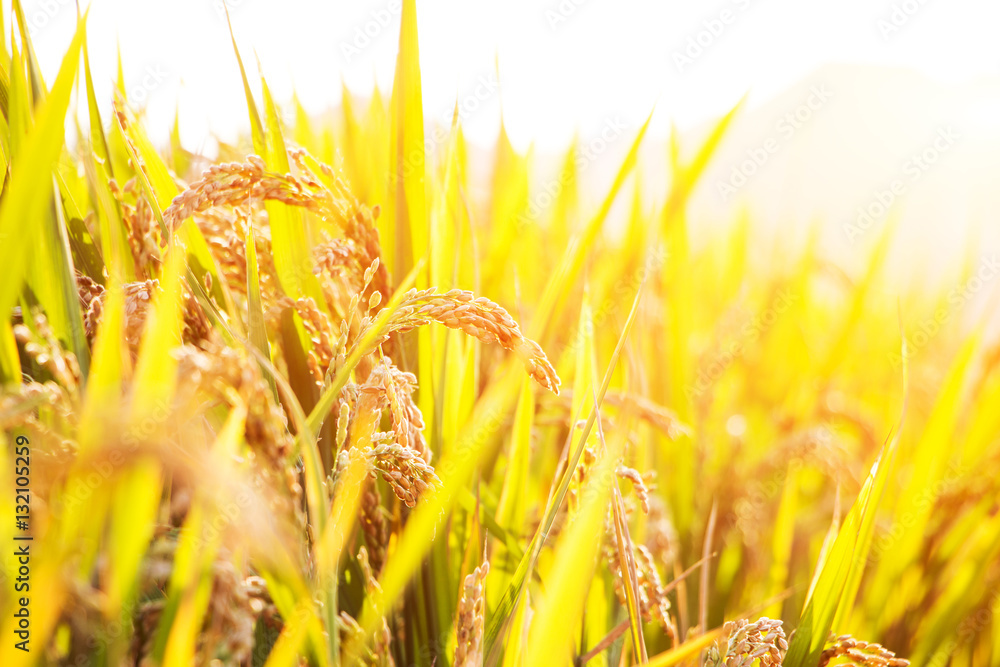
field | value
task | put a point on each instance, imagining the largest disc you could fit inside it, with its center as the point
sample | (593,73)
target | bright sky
(564,65)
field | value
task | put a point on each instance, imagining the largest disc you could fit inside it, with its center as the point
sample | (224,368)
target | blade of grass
(627,566)
(836,586)
(408,212)
(33,165)
(51,279)
(685,651)
(330,547)
(289,226)
(38,87)
(499,621)
(114,236)
(255,307)
(256,127)
(407,222)
(706,551)
(576,252)
(560,610)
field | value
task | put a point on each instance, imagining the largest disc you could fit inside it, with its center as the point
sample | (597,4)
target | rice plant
(316,402)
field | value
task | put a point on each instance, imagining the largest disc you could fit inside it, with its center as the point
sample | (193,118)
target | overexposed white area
(565,65)
(857,110)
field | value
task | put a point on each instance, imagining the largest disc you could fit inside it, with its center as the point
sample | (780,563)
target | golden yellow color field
(321,403)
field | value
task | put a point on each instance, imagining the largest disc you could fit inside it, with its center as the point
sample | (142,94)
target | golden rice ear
(395,388)
(236,183)
(470,618)
(862,654)
(478,317)
(382,638)
(654,604)
(40,344)
(407,474)
(744,643)
(375,527)
(638,484)
(319,328)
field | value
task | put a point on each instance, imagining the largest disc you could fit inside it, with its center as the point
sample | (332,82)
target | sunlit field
(322,400)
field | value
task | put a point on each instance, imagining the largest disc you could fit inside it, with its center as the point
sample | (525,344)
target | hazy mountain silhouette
(939,142)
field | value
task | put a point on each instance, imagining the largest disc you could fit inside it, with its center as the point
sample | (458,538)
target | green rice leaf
(32,167)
